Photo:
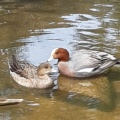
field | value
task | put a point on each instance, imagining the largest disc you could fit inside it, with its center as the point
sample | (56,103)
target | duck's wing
(89,59)
(86,72)
(93,62)
(21,68)
(102,55)
(93,54)
(87,62)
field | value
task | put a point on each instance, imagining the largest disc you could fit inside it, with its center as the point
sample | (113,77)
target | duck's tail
(118,63)
(13,64)
(107,65)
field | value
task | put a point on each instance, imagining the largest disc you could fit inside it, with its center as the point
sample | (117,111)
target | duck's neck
(64,58)
(43,76)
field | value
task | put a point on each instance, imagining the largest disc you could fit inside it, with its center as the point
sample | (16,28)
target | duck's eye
(56,53)
(46,67)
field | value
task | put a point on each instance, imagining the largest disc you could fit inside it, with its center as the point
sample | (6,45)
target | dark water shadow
(114,74)
(85,101)
(93,93)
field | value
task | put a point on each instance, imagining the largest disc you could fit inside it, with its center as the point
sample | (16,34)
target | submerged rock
(4,101)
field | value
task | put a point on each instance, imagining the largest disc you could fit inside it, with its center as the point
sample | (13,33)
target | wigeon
(83,63)
(30,76)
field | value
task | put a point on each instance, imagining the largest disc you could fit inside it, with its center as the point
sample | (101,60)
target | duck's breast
(66,68)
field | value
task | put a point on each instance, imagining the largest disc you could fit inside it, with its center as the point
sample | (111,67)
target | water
(30,29)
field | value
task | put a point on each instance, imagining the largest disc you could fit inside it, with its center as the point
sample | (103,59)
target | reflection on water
(92,93)
(31,29)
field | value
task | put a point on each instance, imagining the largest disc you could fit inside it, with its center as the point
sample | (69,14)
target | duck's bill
(53,70)
(51,58)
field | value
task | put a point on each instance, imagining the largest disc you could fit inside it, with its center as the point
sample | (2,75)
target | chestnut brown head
(59,53)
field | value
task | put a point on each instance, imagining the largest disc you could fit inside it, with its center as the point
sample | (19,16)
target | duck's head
(59,53)
(45,68)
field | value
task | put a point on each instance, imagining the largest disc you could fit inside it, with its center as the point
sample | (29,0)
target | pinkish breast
(65,69)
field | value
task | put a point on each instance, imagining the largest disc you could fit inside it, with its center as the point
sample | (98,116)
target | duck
(29,75)
(82,63)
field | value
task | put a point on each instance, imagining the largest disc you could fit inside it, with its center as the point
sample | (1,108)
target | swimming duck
(83,63)
(30,76)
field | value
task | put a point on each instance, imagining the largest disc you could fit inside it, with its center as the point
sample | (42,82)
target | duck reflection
(94,92)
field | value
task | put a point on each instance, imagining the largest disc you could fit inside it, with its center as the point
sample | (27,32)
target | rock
(4,102)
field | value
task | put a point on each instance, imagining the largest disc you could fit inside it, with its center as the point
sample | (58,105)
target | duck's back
(88,59)
(29,71)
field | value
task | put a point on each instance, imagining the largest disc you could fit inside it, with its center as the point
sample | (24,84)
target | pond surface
(30,29)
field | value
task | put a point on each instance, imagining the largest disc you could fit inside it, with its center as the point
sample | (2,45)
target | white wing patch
(111,57)
(86,70)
